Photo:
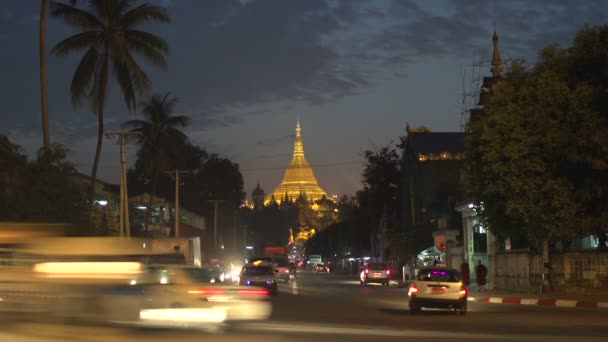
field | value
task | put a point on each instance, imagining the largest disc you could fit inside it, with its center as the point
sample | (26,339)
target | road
(324,307)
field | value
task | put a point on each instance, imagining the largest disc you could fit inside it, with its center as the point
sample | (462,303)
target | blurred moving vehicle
(103,280)
(375,273)
(283,270)
(217,271)
(190,295)
(321,268)
(259,274)
(438,287)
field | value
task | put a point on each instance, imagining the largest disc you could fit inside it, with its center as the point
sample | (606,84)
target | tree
(43,190)
(160,141)
(381,176)
(109,35)
(537,157)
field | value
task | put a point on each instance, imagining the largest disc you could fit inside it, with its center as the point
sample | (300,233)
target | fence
(522,271)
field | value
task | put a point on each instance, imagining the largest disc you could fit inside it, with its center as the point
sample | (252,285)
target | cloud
(229,56)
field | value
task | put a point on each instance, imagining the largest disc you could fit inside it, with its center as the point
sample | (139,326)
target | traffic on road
(81,298)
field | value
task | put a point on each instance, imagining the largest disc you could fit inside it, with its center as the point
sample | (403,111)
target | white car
(259,274)
(438,287)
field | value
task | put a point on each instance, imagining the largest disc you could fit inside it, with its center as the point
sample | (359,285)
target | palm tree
(161,142)
(46,141)
(110,38)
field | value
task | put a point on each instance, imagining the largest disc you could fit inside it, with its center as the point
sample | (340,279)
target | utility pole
(215,203)
(176,173)
(125,229)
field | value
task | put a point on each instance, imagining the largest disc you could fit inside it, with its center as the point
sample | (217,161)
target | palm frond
(121,54)
(123,6)
(103,8)
(98,90)
(74,16)
(76,42)
(170,102)
(125,81)
(178,121)
(142,14)
(149,39)
(135,124)
(149,52)
(85,72)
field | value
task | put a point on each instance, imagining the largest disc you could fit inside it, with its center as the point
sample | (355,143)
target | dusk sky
(353,71)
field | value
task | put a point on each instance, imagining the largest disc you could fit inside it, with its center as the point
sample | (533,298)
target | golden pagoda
(299,179)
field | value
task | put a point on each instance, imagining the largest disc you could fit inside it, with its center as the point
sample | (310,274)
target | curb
(564,303)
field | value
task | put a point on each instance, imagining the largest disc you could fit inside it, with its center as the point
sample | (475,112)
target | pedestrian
(481,272)
(466,273)
(407,271)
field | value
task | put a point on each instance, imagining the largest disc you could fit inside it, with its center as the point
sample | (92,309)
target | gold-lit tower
(299,179)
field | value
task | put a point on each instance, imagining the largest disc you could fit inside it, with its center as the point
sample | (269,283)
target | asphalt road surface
(322,307)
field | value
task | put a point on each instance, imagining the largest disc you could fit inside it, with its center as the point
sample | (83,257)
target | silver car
(375,273)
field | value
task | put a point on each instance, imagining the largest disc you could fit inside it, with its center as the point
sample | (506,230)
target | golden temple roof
(299,178)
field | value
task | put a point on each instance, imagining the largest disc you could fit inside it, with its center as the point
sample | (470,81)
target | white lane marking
(566,303)
(529,301)
(296,327)
(294,288)
(495,300)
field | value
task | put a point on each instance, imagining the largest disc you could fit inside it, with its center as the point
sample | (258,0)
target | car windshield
(449,276)
(257,271)
(377,267)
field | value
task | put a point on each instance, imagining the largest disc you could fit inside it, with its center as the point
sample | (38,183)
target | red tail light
(212,292)
(254,292)
(463,291)
(366,271)
(413,290)
(388,272)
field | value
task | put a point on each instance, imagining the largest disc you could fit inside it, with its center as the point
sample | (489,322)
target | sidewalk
(596,299)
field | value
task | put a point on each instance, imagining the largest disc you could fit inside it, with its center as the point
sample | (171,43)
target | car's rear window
(377,266)
(439,275)
(257,271)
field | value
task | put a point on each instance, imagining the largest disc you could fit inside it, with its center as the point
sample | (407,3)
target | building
(479,244)
(299,179)
(430,176)
(489,82)
(258,196)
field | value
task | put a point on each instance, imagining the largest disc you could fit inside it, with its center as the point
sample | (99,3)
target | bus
(314,260)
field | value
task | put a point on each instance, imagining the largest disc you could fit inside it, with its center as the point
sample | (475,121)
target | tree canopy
(538,156)
(44,189)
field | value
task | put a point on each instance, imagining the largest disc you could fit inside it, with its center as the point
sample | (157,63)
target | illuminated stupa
(299,179)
